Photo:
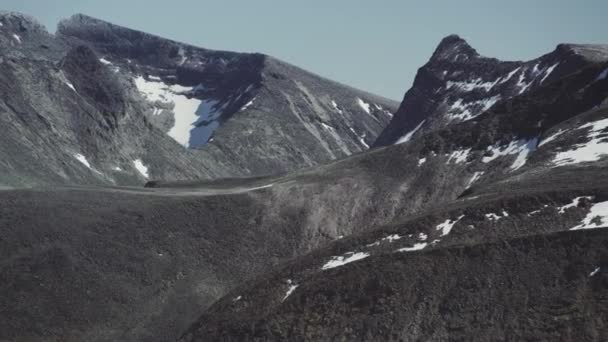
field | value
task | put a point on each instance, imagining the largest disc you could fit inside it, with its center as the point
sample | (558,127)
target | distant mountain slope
(102,110)
(250,111)
(457,84)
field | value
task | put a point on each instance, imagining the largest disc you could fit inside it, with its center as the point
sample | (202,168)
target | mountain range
(475,215)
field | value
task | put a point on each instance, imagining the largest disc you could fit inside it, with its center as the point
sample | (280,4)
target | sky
(376,45)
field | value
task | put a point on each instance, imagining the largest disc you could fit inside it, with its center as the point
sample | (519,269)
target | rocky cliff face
(102,104)
(457,85)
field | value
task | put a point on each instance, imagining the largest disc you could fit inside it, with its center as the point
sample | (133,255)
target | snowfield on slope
(195,120)
(593,150)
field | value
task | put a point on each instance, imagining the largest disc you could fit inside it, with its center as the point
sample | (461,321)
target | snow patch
(548,72)
(520,147)
(70,85)
(602,75)
(459,156)
(596,218)
(464,111)
(292,287)
(416,247)
(494,217)
(247,105)
(510,75)
(421,161)
(105,61)
(17,38)
(195,120)
(364,105)
(594,272)
(141,168)
(551,138)
(475,178)
(409,135)
(447,226)
(338,261)
(587,152)
(236,299)
(575,203)
(83,160)
(335,105)
(472,85)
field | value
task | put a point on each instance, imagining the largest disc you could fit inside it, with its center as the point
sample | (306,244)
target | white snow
(116,168)
(574,204)
(409,135)
(447,226)
(154,78)
(494,217)
(335,105)
(602,75)
(392,238)
(338,261)
(195,120)
(17,38)
(236,299)
(105,61)
(594,272)
(520,147)
(476,176)
(522,84)
(596,218)
(292,287)
(460,110)
(551,138)
(548,72)
(363,143)
(422,236)
(70,85)
(472,85)
(415,247)
(364,105)
(508,77)
(524,151)
(587,152)
(83,160)
(360,138)
(421,161)
(459,156)
(141,168)
(247,105)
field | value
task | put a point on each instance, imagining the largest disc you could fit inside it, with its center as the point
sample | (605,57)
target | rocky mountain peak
(454,48)
(20,22)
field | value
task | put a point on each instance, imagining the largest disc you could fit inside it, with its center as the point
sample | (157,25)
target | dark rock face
(457,84)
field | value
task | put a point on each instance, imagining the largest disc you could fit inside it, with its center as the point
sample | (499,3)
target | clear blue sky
(372,45)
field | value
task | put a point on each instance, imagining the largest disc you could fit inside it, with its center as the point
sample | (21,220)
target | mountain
(143,264)
(476,229)
(518,254)
(457,84)
(101,104)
